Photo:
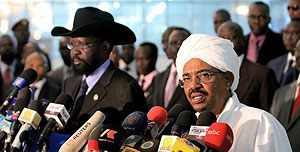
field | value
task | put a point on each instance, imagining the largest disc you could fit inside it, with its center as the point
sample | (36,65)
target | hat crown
(88,15)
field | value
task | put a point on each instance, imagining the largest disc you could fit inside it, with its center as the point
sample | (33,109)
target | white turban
(215,51)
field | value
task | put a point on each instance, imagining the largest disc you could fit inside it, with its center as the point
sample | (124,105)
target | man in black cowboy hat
(101,86)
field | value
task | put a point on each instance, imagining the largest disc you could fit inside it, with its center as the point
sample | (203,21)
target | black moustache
(198,90)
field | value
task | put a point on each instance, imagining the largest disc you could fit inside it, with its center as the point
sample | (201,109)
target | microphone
(30,118)
(197,132)
(184,121)
(172,115)
(93,137)
(219,137)
(157,117)
(149,146)
(78,139)
(56,113)
(184,145)
(135,123)
(23,98)
(27,77)
(133,141)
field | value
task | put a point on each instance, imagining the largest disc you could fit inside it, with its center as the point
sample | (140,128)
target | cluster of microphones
(26,123)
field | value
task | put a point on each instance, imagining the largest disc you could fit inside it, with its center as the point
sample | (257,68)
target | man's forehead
(83,38)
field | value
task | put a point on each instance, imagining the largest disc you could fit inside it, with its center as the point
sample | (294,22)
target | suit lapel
(164,79)
(98,92)
(175,95)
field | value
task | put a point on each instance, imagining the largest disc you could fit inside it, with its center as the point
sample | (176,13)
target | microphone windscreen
(65,100)
(176,110)
(29,75)
(36,106)
(158,114)
(186,119)
(24,93)
(20,104)
(219,136)
(135,123)
(206,118)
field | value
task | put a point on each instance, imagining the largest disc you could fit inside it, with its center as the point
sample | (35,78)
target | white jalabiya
(254,130)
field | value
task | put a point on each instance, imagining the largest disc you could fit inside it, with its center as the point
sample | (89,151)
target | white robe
(254,130)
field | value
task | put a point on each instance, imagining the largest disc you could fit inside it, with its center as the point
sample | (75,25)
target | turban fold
(215,51)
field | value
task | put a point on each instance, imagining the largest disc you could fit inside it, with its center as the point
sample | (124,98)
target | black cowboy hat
(91,21)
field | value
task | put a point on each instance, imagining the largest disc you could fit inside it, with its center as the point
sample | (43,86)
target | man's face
(293,9)
(258,19)
(6,50)
(211,95)
(229,34)
(90,56)
(174,43)
(22,34)
(36,63)
(127,53)
(291,34)
(143,60)
(164,42)
(297,56)
(218,20)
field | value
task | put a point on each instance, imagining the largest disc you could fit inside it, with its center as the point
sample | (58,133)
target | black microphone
(94,135)
(31,118)
(22,101)
(27,77)
(183,122)
(172,116)
(149,146)
(56,113)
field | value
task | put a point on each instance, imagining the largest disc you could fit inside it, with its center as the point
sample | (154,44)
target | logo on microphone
(147,144)
(213,132)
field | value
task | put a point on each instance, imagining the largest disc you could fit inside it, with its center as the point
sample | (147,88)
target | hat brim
(115,33)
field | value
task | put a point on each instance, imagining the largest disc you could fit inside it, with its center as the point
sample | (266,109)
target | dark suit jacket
(49,91)
(286,97)
(272,47)
(116,94)
(159,84)
(278,65)
(148,94)
(257,85)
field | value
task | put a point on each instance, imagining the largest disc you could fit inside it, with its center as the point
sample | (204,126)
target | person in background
(287,98)
(100,85)
(115,56)
(145,59)
(10,66)
(41,88)
(208,68)
(165,39)
(166,89)
(57,76)
(293,9)
(126,61)
(262,44)
(257,83)
(31,47)
(284,65)
(220,16)
(22,34)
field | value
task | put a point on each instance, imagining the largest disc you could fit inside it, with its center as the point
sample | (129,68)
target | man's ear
(105,45)
(228,79)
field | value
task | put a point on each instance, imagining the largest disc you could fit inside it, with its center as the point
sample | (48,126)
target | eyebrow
(203,70)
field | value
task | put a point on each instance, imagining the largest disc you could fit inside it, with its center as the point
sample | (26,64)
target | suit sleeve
(267,91)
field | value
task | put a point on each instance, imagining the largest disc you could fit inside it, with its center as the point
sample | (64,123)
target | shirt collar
(147,78)
(93,78)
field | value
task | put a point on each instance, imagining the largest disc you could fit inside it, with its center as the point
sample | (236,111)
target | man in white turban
(208,68)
